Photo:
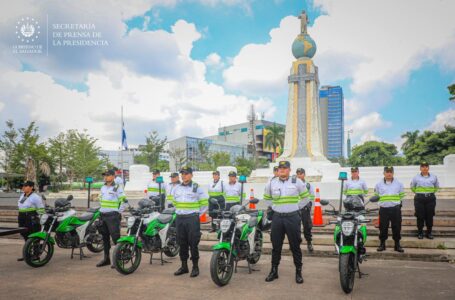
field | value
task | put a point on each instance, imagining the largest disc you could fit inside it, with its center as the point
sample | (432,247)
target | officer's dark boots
(429,235)
(310,246)
(183,269)
(420,235)
(105,262)
(273,274)
(381,247)
(298,275)
(195,270)
(398,247)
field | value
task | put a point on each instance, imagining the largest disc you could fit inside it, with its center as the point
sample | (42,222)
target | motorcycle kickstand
(163,261)
(360,272)
(151,258)
(235,268)
(72,252)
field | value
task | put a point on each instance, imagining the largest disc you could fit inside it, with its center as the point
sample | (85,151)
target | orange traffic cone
(252,205)
(317,214)
(376,222)
(203,218)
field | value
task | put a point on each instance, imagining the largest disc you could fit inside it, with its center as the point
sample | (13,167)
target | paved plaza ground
(64,278)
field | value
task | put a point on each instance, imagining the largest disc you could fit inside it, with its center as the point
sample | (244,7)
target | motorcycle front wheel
(221,267)
(37,252)
(347,272)
(127,258)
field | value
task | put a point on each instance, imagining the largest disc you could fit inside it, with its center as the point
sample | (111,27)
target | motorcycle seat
(165,218)
(253,213)
(86,216)
(253,222)
(169,211)
(92,209)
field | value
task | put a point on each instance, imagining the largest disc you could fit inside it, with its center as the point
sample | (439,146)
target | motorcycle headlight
(131,221)
(43,219)
(347,227)
(225,225)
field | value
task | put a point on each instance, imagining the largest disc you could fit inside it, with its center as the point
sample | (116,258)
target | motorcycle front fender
(347,249)
(42,236)
(129,240)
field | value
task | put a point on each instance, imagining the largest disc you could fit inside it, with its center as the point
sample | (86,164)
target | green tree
(244,165)
(220,159)
(83,155)
(451,89)
(150,152)
(374,153)
(432,146)
(202,161)
(59,154)
(178,155)
(410,139)
(274,137)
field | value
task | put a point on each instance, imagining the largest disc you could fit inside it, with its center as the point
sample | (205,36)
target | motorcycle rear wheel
(220,268)
(95,241)
(347,271)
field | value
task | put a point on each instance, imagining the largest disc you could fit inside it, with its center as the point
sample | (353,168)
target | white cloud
(364,127)
(213,60)
(444,118)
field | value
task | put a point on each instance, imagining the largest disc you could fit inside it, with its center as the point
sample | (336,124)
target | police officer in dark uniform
(29,204)
(190,202)
(425,186)
(112,200)
(284,193)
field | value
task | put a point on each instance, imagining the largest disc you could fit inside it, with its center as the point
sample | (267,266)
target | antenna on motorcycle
(342,176)
(242,180)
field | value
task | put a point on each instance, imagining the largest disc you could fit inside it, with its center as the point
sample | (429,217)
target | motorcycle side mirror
(254,201)
(324,202)
(213,201)
(374,199)
(70,197)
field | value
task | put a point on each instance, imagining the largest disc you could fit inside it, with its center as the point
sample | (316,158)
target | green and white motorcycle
(149,231)
(71,232)
(240,236)
(350,237)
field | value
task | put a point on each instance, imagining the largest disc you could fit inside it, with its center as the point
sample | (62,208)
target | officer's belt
(426,195)
(110,213)
(289,214)
(187,215)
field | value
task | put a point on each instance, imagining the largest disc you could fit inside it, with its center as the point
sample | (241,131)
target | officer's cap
(424,164)
(110,172)
(232,173)
(155,171)
(388,169)
(216,173)
(186,170)
(28,183)
(284,164)
(354,169)
(174,175)
(300,170)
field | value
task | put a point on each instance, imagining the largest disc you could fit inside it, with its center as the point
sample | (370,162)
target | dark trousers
(30,221)
(110,228)
(390,215)
(424,211)
(305,214)
(188,236)
(231,204)
(289,226)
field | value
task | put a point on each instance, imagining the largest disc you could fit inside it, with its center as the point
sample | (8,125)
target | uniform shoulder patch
(195,187)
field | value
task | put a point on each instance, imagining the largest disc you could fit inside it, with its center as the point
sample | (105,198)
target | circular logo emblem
(27,30)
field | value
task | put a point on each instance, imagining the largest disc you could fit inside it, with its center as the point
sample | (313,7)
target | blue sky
(183,67)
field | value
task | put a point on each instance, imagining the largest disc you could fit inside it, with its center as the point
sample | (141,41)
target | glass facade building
(332,113)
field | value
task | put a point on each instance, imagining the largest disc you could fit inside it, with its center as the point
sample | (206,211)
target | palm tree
(410,139)
(274,137)
(203,151)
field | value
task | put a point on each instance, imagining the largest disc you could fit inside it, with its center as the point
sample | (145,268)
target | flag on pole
(124,143)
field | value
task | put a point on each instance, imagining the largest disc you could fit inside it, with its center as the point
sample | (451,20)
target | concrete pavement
(64,278)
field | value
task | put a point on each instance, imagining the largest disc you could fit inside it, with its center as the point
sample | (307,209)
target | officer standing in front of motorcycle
(305,210)
(112,200)
(425,185)
(29,204)
(391,193)
(233,191)
(190,202)
(156,189)
(284,193)
(355,186)
(216,190)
